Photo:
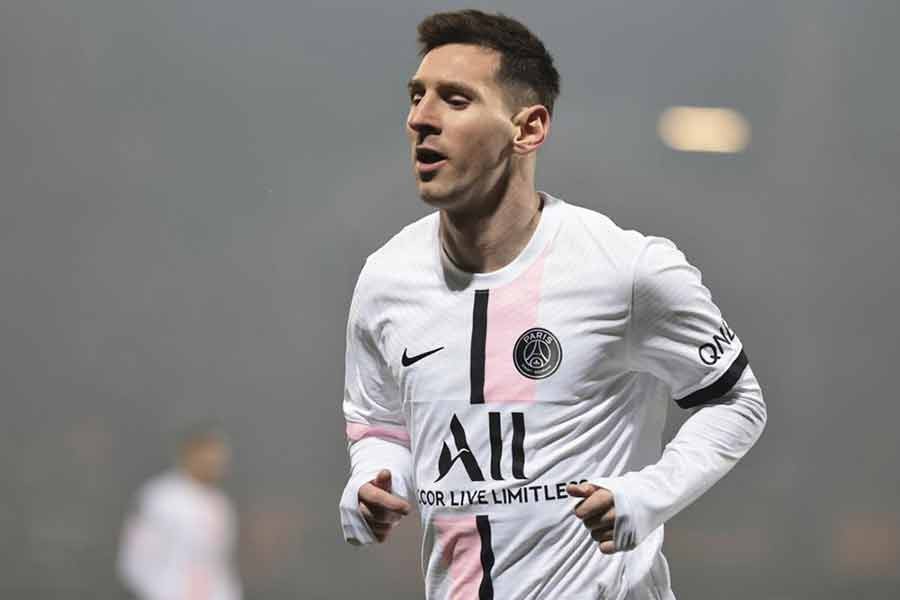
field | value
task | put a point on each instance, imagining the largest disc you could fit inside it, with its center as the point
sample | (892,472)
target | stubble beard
(436,195)
(439,201)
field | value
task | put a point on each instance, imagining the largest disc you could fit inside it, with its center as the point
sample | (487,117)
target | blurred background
(188,189)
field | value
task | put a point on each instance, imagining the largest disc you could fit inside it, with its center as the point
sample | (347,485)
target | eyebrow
(417,84)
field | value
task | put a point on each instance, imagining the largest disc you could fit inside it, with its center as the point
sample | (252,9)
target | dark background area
(188,190)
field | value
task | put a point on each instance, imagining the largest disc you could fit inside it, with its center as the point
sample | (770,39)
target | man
(510,357)
(178,543)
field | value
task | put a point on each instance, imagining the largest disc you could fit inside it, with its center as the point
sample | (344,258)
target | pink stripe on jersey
(358,431)
(459,538)
(512,310)
(199,584)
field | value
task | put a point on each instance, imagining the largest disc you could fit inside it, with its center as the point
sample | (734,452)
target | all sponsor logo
(516,487)
(470,463)
(537,353)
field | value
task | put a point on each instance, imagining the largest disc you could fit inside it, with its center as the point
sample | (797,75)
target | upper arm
(372,403)
(677,333)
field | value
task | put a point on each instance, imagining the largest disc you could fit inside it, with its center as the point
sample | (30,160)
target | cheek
(483,148)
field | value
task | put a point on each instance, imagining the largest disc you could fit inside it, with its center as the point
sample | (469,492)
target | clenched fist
(598,513)
(379,507)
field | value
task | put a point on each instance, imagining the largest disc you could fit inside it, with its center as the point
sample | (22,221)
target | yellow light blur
(704,129)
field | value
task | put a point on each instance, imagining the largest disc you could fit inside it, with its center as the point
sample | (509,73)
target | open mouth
(428,160)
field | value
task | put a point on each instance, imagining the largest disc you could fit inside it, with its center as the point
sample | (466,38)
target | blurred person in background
(178,543)
(511,357)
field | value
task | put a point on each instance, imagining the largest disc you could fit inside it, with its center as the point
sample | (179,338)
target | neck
(196,477)
(488,239)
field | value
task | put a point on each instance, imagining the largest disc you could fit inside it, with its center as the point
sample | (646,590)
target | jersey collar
(460,280)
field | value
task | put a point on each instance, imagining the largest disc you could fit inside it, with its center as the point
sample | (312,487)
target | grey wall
(188,189)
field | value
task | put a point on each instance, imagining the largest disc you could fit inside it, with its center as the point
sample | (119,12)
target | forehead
(205,446)
(471,64)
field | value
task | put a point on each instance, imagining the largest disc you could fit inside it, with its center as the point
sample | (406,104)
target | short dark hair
(525,64)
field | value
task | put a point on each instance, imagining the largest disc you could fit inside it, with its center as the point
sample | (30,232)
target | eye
(458,101)
(415,98)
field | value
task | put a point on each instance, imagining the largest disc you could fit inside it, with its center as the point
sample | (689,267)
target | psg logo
(537,353)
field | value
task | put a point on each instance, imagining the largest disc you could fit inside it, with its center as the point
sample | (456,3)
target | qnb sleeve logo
(470,463)
(712,351)
(537,353)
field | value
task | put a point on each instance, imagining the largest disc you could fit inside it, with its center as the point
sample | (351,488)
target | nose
(423,117)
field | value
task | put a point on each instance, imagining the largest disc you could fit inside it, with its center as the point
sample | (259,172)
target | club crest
(537,353)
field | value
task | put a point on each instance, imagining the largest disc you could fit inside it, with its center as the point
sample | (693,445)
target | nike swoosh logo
(408,360)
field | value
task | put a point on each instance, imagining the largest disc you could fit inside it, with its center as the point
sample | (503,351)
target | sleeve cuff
(356,531)
(631,526)
(367,457)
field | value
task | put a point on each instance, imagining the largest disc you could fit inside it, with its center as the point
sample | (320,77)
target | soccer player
(511,356)
(179,541)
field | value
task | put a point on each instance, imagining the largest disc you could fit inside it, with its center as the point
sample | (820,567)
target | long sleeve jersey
(485,394)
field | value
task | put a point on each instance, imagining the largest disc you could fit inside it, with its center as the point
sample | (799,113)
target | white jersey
(486,394)
(179,542)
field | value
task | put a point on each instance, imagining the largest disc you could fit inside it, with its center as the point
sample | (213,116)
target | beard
(438,189)
(472,198)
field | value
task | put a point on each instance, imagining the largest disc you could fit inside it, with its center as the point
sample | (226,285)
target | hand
(379,507)
(597,512)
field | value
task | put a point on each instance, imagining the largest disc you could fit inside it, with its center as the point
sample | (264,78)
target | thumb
(582,490)
(383,480)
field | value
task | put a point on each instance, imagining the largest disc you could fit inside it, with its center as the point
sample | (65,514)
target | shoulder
(592,233)
(408,255)
(158,493)
(406,247)
(161,483)
(631,250)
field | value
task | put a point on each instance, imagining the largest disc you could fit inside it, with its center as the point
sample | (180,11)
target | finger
(389,517)
(581,490)
(375,514)
(365,512)
(608,547)
(383,480)
(598,503)
(381,528)
(368,515)
(602,536)
(376,497)
(603,521)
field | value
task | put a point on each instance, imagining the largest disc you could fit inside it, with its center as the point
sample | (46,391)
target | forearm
(706,447)
(368,456)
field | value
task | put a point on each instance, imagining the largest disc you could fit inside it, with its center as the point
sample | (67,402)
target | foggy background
(188,189)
